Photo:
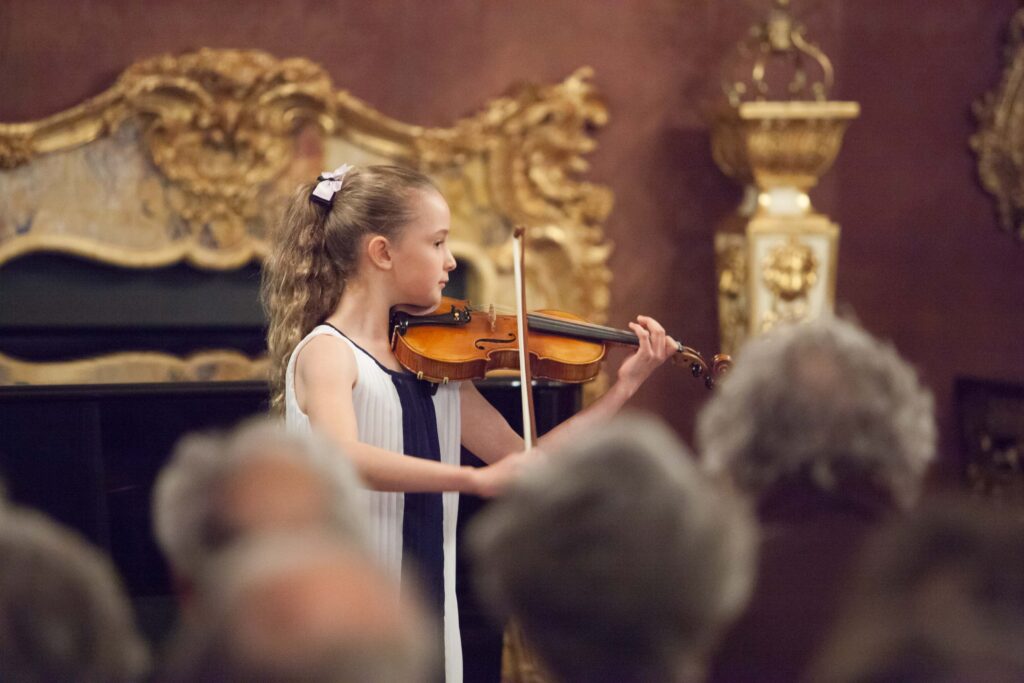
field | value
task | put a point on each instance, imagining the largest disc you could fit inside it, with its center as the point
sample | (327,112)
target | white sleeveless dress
(396,412)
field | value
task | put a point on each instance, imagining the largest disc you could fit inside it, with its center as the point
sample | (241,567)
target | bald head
(219,488)
(273,492)
(334,598)
(302,608)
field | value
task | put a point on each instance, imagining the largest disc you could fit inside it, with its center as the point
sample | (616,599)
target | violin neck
(582,330)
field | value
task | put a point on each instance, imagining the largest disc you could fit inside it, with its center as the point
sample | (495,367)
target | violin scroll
(721,364)
(699,367)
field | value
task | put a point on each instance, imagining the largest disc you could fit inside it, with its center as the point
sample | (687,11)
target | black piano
(88,454)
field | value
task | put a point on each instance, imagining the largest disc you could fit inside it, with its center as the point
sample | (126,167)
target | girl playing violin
(353,246)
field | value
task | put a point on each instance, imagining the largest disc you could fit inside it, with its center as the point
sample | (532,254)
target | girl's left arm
(487,434)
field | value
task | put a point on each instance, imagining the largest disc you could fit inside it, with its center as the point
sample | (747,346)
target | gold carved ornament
(218,126)
(1000,137)
(534,140)
(789,272)
(136,367)
(190,158)
(776,132)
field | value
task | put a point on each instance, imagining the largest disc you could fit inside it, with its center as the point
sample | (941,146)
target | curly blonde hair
(315,250)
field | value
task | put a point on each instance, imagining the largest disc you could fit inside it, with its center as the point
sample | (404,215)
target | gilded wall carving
(136,367)
(776,133)
(190,158)
(999,140)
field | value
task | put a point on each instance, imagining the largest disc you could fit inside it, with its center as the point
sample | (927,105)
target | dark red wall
(921,260)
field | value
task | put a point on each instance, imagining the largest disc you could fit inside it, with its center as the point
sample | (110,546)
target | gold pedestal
(776,257)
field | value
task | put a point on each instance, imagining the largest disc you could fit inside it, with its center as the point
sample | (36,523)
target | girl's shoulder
(327,339)
(322,365)
(324,349)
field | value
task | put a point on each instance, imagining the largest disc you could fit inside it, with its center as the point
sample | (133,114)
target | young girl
(354,246)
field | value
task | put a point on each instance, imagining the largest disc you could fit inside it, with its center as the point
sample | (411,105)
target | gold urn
(776,257)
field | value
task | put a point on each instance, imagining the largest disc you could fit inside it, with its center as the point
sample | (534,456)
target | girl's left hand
(655,347)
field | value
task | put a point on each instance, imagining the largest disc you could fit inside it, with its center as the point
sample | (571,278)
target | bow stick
(525,376)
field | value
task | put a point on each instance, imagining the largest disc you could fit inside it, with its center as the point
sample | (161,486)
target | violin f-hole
(479,343)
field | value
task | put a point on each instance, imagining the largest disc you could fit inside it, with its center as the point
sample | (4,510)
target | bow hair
(328,184)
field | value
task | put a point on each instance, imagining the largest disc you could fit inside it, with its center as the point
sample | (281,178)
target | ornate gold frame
(136,367)
(998,141)
(190,158)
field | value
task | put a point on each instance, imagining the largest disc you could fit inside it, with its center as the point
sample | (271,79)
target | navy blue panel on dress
(423,520)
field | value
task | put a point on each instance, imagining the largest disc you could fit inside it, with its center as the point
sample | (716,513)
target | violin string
(580,328)
(583,325)
(585,330)
(548,324)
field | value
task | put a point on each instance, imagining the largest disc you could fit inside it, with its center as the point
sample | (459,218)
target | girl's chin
(419,308)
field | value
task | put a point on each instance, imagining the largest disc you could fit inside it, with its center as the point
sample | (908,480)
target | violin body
(455,343)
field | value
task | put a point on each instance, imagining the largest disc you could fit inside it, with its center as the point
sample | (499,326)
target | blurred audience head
(63,613)
(305,607)
(940,598)
(618,559)
(218,488)
(821,405)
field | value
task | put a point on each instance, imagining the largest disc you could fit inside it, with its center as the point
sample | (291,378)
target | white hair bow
(329,183)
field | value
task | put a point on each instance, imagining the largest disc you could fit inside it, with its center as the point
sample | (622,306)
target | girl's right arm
(325,374)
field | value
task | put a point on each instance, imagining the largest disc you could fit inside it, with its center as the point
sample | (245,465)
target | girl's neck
(362,314)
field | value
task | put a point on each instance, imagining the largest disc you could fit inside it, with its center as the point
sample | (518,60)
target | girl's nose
(449,264)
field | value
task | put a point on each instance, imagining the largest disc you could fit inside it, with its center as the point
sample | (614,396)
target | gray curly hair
(620,560)
(188,521)
(64,615)
(820,401)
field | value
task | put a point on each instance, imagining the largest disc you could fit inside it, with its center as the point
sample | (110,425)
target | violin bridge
(492,317)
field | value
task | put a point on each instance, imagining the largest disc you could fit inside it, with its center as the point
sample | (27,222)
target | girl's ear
(378,248)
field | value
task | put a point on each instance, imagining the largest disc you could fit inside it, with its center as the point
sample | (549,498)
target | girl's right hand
(491,480)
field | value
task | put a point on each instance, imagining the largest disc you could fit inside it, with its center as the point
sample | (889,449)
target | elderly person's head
(304,607)
(821,404)
(619,560)
(221,487)
(63,613)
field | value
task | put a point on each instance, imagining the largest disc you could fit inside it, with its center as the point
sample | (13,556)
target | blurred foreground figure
(218,488)
(63,613)
(307,608)
(618,559)
(830,433)
(940,599)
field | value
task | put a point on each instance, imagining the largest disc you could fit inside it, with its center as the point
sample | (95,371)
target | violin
(459,342)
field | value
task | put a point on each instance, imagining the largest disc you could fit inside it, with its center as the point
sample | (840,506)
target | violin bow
(525,375)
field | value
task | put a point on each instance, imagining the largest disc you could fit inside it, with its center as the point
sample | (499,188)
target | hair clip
(328,184)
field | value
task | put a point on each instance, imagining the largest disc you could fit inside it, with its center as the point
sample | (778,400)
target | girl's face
(421,256)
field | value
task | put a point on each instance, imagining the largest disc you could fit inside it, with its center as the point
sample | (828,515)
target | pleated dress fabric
(410,532)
